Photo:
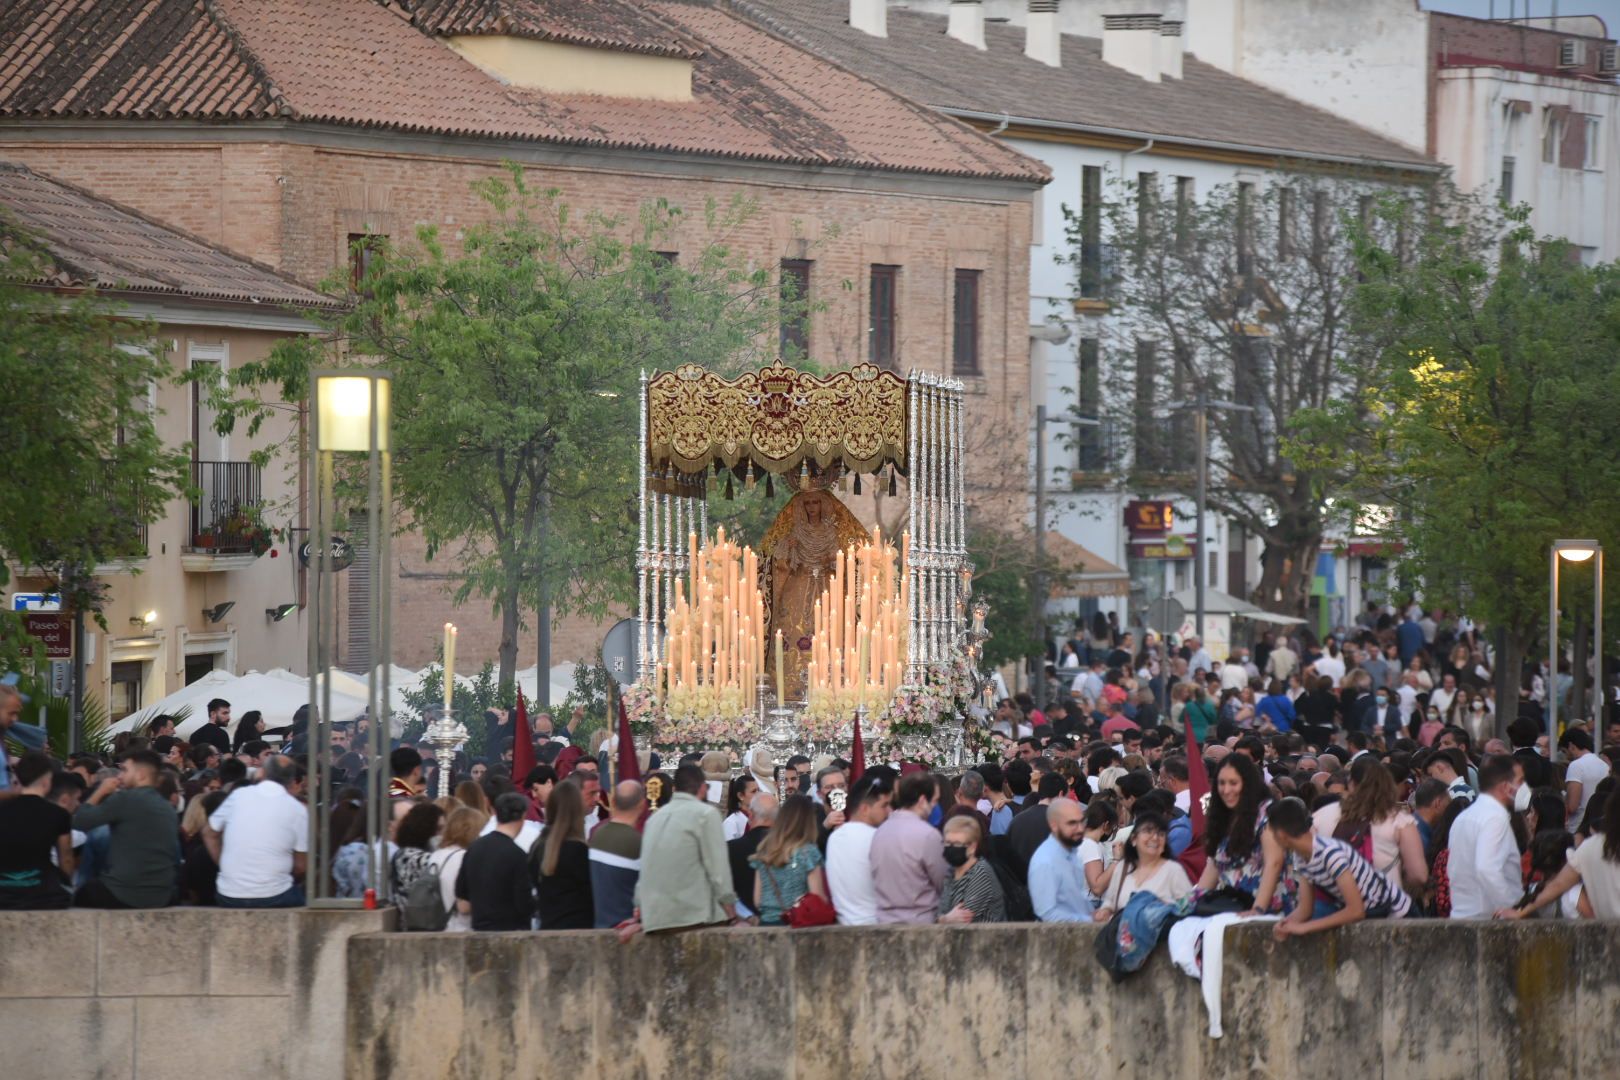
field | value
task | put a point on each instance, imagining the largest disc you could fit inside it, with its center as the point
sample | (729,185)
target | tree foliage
(1243,295)
(1492,425)
(86,467)
(515,364)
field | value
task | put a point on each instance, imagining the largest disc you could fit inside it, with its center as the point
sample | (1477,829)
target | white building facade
(1104,103)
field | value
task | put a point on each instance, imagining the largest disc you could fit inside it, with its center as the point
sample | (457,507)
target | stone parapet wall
(1413,1000)
(181,992)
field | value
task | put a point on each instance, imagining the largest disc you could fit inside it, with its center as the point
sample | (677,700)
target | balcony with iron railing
(225,529)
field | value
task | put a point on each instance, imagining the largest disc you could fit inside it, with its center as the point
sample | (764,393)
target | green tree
(86,470)
(515,366)
(1242,295)
(1492,426)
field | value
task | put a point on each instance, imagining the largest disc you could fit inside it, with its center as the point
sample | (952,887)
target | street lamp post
(351,414)
(1576,551)
(1199,407)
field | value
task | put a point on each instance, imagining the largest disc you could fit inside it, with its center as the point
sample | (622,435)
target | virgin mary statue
(801,550)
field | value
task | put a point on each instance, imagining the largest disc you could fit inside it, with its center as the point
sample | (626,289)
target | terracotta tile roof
(600,23)
(118,58)
(91,241)
(918,60)
(360,63)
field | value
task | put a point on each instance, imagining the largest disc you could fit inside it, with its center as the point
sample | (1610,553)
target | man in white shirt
(1199,659)
(260,838)
(1441,698)
(1406,696)
(1484,865)
(1234,673)
(1331,664)
(1586,770)
(849,851)
(1089,684)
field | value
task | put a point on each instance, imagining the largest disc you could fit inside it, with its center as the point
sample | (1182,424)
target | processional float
(787,644)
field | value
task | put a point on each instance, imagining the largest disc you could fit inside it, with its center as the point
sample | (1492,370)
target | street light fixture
(350,414)
(1575,551)
(1200,407)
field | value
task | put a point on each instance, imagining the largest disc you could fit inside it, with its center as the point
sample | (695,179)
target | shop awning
(1220,603)
(1083,572)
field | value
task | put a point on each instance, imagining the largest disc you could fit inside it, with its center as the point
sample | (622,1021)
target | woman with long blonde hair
(788,863)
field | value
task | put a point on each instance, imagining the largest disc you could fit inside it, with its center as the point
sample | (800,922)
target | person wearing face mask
(972,893)
(1385,715)
(1433,724)
(1484,866)
(1097,837)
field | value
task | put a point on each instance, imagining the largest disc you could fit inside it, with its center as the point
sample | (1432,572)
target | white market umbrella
(276,696)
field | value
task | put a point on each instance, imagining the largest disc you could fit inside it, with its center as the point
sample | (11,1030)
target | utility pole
(1199,407)
(1038,600)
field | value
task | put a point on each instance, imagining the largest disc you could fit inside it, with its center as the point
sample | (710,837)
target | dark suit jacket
(738,852)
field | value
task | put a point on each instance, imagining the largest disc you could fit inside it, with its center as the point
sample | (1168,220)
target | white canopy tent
(561,682)
(1220,603)
(277,695)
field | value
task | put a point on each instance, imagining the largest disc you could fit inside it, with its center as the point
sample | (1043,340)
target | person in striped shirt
(1333,868)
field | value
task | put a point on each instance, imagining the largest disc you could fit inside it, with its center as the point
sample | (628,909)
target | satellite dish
(1166,615)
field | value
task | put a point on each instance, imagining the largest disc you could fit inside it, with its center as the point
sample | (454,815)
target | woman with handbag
(788,869)
(972,892)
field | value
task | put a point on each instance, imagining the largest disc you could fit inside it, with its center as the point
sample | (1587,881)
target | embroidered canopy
(776,418)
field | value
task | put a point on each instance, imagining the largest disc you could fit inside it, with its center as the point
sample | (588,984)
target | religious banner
(776,418)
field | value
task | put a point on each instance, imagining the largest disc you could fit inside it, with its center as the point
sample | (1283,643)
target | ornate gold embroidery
(777,418)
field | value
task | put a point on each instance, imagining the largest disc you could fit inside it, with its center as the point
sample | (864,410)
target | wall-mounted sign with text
(1171,547)
(1149,518)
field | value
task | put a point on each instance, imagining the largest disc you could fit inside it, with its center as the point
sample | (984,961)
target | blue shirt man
(1057,881)
(1408,639)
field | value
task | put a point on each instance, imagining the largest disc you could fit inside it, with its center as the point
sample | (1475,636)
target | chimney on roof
(967,22)
(870,16)
(1042,41)
(1170,49)
(1131,42)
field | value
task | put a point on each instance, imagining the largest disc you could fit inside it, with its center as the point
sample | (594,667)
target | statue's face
(813,509)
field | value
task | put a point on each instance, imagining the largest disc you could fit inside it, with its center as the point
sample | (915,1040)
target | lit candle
(449,663)
(781,696)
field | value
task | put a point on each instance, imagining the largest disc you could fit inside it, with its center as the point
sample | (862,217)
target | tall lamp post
(351,415)
(1575,551)
(1200,407)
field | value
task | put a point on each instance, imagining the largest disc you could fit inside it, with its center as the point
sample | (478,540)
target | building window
(1506,190)
(1147,200)
(1245,228)
(965,323)
(1091,253)
(1552,136)
(1185,194)
(1321,223)
(1088,428)
(795,296)
(1594,142)
(880,329)
(363,251)
(664,264)
(126,688)
(1285,222)
(1146,434)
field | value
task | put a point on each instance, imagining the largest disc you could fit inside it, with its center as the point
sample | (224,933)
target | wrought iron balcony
(225,509)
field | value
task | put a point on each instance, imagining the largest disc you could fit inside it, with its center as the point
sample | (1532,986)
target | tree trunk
(1289,566)
(509,642)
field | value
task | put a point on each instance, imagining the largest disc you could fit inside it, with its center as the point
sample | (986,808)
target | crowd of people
(1339,790)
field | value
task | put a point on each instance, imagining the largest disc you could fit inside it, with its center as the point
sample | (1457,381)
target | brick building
(284,129)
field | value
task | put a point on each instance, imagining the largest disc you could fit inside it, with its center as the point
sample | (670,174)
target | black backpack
(1015,896)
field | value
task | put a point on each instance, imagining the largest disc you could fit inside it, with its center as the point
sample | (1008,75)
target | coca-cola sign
(339,554)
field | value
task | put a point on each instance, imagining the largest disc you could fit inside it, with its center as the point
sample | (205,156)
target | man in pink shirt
(908,855)
(1117,722)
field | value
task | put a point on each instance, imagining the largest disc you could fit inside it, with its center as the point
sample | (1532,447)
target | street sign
(54,630)
(36,601)
(619,652)
(1166,615)
(1174,546)
(340,554)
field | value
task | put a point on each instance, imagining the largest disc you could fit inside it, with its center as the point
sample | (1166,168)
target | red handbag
(809,910)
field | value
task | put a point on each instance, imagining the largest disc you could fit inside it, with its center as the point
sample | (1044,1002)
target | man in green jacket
(685,878)
(144,849)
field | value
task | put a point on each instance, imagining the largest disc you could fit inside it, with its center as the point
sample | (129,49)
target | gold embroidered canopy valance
(776,418)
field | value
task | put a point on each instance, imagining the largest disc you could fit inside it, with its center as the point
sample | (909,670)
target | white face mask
(1521,798)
